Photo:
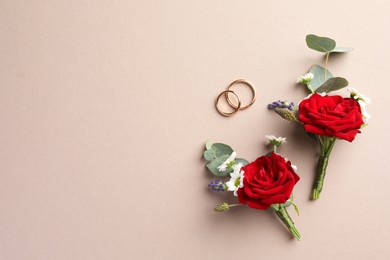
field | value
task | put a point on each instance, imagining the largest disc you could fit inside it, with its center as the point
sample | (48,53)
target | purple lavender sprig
(217,185)
(281,104)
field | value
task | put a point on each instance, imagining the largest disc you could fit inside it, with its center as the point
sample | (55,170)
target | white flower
(356,95)
(271,139)
(363,102)
(295,168)
(305,79)
(226,164)
(322,94)
(365,114)
(236,179)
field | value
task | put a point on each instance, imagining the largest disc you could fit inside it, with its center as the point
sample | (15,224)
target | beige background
(105,107)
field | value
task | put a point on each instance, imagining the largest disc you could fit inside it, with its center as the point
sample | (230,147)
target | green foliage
(221,149)
(321,44)
(296,208)
(289,201)
(213,166)
(208,155)
(216,154)
(216,150)
(242,161)
(332,84)
(318,72)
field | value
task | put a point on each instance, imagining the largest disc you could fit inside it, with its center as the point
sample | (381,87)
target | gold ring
(236,108)
(246,83)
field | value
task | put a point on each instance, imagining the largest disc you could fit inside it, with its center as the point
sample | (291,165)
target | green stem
(326,64)
(275,148)
(310,89)
(234,205)
(286,219)
(326,148)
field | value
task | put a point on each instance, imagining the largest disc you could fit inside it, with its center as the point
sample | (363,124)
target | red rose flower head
(331,116)
(268,180)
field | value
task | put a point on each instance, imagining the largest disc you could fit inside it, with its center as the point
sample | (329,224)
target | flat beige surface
(105,107)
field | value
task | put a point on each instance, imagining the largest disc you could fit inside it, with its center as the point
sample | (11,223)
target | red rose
(268,180)
(331,116)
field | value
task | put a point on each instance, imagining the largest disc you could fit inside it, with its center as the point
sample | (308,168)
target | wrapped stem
(327,144)
(282,213)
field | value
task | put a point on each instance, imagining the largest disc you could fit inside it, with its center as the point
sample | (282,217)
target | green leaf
(318,79)
(311,135)
(289,201)
(208,145)
(321,44)
(213,166)
(342,49)
(296,208)
(332,84)
(242,161)
(209,155)
(221,149)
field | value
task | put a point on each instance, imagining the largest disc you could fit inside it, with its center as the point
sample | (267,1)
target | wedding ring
(236,108)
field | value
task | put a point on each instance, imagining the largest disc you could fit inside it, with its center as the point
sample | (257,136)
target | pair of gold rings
(237,107)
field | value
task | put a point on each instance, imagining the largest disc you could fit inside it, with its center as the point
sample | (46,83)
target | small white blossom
(227,163)
(236,179)
(365,114)
(356,95)
(363,102)
(322,94)
(305,79)
(295,168)
(271,139)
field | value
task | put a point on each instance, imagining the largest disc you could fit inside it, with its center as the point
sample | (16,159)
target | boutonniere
(325,116)
(266,183)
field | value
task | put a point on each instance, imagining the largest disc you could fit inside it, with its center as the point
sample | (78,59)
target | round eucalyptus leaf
(242,161)
(342,49)
(321,44)
(318,79)
(209,155)
(221,149)
(213,166)
(332,84)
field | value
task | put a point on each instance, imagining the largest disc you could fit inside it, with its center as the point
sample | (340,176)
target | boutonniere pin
(266,183)
(325,116)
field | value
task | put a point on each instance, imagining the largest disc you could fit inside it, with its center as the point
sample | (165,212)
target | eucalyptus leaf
(221,149)
(321,44)
(342,49)
(318,79)
(332,84)
(242,161)
(213,166)
(208,145)
(209,155)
